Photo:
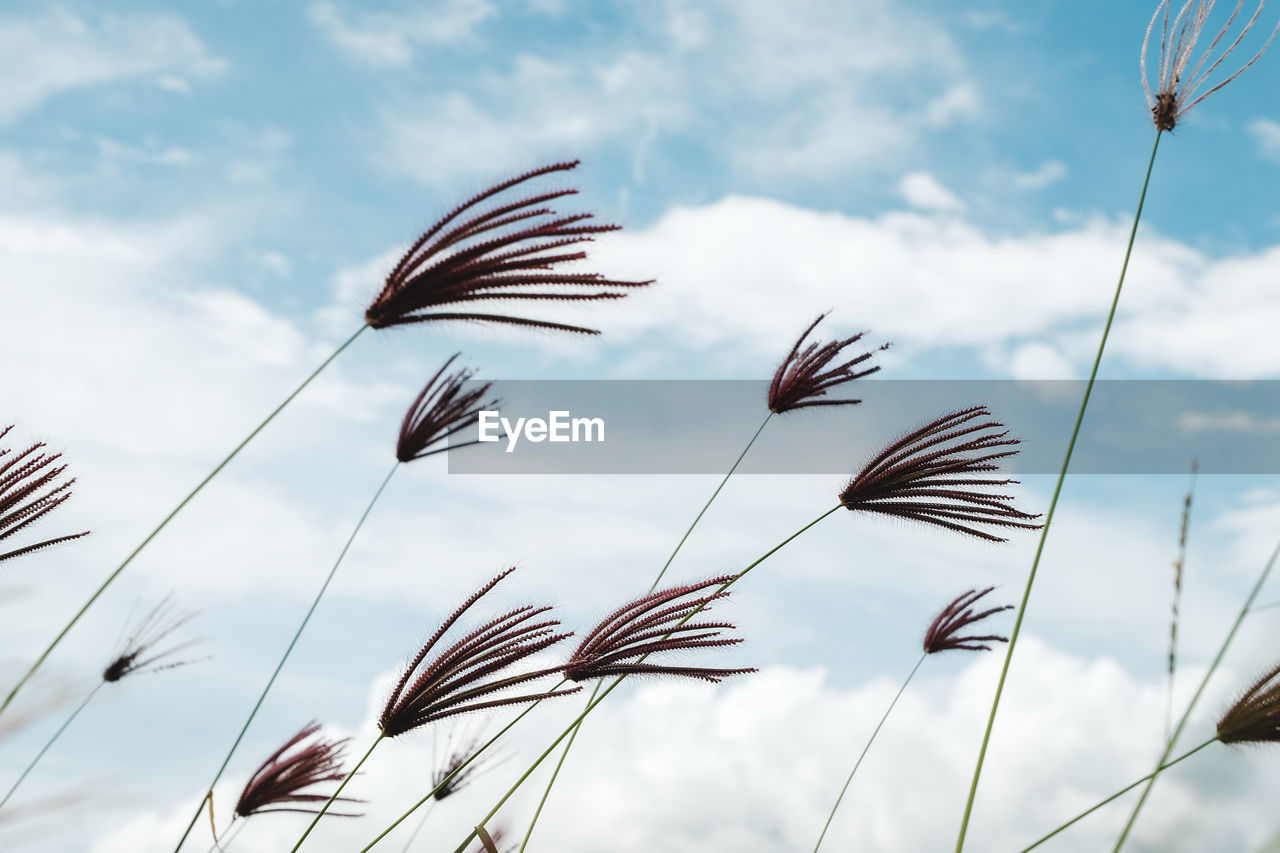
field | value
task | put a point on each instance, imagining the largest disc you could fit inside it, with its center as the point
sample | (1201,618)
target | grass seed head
(503,251)
(944,631)
(441,410)
(279,784)
(938,475)
(1255,716)
(805,376)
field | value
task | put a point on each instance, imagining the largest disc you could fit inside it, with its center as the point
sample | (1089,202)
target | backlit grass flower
(652,625)
(805,376)
(280,783)
(944,631)
(441,410)
(1255,716)
(29,490)
(464,678)
(937,474)
(505,251)
(1179,85)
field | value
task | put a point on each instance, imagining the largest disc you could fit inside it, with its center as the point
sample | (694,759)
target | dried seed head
(502,252)
(459,679)
(944,631)
(139,655)
(935,474)
(1255,717)
(441,410)
(277,785)
(651,625)
(1178,87)
(805,376)
(29,490)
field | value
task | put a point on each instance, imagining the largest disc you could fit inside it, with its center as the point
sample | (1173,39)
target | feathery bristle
(1178,89)
(456,266)
(441,410)
(944,632)
(278,784)
(29,490)
(933,475)
(461,679)
(651,625)
(1255,716)
(805,376)
(137,654)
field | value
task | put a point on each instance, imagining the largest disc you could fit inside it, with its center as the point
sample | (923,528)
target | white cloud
(59,51)
(843,89)
(1266,133)
(390,39)
(926,281)
(754,764)
(1049,173)
(1040,361)
(922,190)
(1227,422)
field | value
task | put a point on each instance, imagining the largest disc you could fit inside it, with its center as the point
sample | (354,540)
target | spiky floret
(29,490)
(804,376)
(279,784)
(1178,89)
(460,679)
(652,625)
(503,252)
(934,474)
(462,764)
(1255,716)
(138,653)
(944,631)
(441,410)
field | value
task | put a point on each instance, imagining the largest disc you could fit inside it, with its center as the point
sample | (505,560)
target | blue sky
(196,202)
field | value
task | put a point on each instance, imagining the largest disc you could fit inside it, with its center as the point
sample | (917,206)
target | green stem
(136,551)
(445,781)
(1053,503)
(1186,715)
(865,749)
(555,773)
(334,795)
(426,813)
(1118,794)
(577,722)
(288,651)
(62,728)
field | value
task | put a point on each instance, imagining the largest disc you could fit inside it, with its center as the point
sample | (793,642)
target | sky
(198,201)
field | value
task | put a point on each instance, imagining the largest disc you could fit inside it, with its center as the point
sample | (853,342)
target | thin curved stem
(1204,682)
(288,651)
(233,829)
(1053,503)
(62,728)
(417,829)
(334,795)
(577,722)
(1118,794)
(165,521)
(555,773)
(866,749)
(490,742)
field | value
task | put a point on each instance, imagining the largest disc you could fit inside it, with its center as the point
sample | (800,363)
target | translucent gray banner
(699,427)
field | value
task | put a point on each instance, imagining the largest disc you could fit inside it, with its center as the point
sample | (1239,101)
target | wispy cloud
(922,190)
(391,38)
(1049,172)
(45,55)
(1266,133)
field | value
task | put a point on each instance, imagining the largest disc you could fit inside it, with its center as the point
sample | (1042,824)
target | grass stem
(288,651)
(165,521)
(555,773)
(1204,682)
(865,750)
(334,795)
(1118,794)
(1053,503)
(62,728)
